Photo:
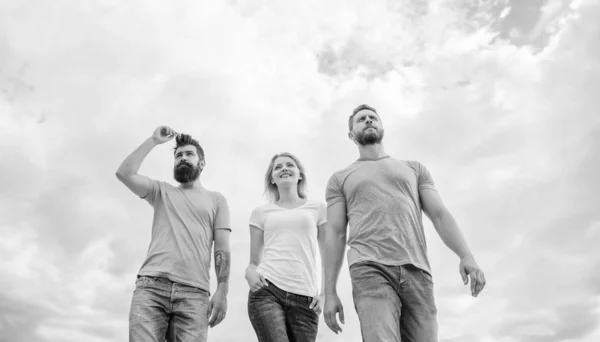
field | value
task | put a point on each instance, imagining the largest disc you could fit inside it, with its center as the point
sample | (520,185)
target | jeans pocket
(143,281)
(257,291)
(426,276)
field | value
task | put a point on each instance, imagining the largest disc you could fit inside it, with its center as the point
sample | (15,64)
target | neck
(288,195)
(373,151)
(189,185)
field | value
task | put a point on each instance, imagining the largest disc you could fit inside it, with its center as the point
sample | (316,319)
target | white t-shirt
(290,245)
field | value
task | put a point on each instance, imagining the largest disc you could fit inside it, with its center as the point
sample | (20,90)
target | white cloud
(509,133)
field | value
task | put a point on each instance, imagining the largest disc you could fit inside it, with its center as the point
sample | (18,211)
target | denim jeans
(280,316)
(163,310)
(394,303)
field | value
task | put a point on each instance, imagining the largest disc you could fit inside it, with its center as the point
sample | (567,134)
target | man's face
(188,165)
(367,128)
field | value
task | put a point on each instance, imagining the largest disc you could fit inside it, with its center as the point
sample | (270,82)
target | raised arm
(335,240)
(451,235)
(128,171)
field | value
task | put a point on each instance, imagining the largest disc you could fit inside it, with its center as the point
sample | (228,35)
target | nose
(369,121)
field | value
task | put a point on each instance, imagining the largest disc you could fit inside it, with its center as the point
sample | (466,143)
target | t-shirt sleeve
(333,192)
(425,181)
(222,217)
(321,214)
(154,192)
(256,218)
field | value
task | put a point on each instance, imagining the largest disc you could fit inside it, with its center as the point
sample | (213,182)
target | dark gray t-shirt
(182,233)
(384,210)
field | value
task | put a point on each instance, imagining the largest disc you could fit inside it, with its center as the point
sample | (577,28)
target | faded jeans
(394,303)
(163,310)
(280,316)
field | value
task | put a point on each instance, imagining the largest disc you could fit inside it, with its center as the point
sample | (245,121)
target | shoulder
(315,204)
(340,175)
(261,208)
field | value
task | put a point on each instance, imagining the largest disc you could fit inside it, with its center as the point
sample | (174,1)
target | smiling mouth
(284,175)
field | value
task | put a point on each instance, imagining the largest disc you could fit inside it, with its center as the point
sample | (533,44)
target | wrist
(223,287)
(466,255)
(153,141)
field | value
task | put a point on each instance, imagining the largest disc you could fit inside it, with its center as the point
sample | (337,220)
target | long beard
(369,138)
(185,172)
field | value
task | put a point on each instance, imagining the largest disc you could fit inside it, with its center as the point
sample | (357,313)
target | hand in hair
(162,134)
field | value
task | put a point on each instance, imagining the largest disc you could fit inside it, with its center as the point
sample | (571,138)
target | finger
(330,321)
(313,303)
(210,307)
(264,281)
(480,282)
(341,311)
(220,318)
(463,274)
(211,321)
(474,283)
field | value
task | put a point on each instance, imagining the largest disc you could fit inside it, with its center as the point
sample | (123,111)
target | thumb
(463,274)
(342,315)
(263,280)
(210,307)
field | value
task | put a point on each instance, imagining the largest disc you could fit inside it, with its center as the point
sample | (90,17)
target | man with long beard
(171,298)
(381,199)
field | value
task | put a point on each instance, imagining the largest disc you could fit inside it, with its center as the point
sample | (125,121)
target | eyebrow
(180,152)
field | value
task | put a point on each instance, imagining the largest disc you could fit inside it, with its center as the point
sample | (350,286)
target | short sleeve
(424,180)
(256,219)
(153,192)
(333,192)
(222,217)
(321,214)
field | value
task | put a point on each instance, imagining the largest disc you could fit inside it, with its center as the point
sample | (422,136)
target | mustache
(183,163)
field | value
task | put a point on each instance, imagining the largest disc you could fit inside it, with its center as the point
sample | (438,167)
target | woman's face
(285,172)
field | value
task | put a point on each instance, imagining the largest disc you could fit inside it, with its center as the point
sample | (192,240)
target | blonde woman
(284,302)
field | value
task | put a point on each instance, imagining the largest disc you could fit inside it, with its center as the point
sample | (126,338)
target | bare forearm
(222,268)
(451,235)
(322,250)
(132,163)
(333,258)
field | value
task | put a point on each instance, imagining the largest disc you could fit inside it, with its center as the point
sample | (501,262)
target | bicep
(138,184)
(221,238)
(256,244)
(432,203)
(336,218)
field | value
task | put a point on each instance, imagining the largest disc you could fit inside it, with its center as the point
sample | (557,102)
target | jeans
(280,316)
(163,310)
(394,303)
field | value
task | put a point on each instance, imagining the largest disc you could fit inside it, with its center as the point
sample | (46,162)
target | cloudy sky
(498,98)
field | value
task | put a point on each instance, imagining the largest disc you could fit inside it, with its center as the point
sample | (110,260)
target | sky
(495,97)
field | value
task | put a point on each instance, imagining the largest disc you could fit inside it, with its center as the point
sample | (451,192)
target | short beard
(369,138)
(186,172)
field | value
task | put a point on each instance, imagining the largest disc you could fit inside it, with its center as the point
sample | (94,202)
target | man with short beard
(171,298)
(381,199)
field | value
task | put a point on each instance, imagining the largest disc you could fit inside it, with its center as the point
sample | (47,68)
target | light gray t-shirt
(182,233)
(383,210)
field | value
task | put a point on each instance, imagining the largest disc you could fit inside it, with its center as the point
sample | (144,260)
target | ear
(350,135)
(202,163)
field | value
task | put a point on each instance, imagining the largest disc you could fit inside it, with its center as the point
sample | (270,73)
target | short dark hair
(356,110)
(186,139)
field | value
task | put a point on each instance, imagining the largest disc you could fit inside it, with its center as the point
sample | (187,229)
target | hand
(217,308)
(255,280)
(316,304)
(162,134)
(468,268)
(332,306)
